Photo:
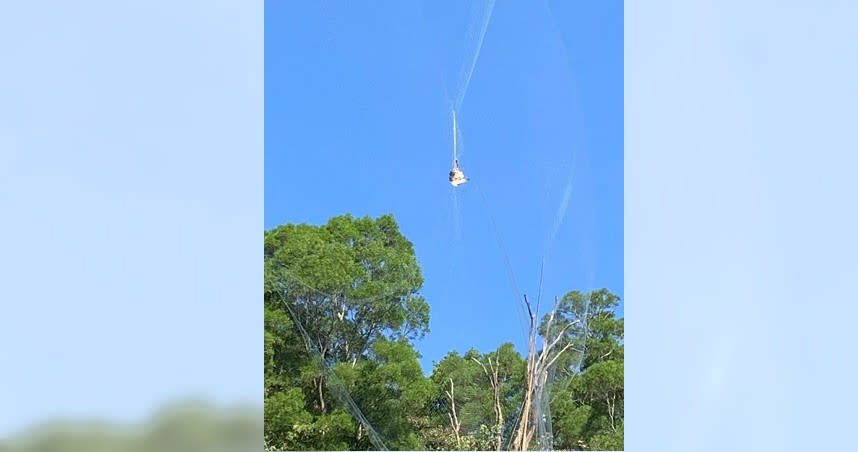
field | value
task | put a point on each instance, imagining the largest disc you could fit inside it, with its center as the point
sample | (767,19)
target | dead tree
(454,419)
(495,384)
(538,365)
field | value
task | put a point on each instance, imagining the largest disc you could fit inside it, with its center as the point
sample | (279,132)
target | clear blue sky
(357,120)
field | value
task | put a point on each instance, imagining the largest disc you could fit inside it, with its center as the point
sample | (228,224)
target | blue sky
(146,194)
(357,120)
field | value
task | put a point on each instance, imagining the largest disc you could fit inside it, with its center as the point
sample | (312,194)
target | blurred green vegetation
(180,426)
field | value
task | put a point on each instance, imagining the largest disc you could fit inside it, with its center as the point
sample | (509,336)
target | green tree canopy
(342,295)
(588,413)
(342,312)
(350,282)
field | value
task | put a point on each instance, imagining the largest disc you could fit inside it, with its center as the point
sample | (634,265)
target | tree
(460,391)
(605,330)
(505,372)
(291,427)
(588,413)
(342,310)
(390,388)
(349,283)
(472,396)
(345,292)
(563,332)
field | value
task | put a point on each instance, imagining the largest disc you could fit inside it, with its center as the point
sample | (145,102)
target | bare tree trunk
(499,434)
(321,394)
(498,406)
(537,373)
(611,410)
(528,437)
(521,436)
(494,381)
(323,349)
(454,419)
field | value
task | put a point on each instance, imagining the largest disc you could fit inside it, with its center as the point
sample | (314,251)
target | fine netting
(476,33)
(549,379)
(516,294)
(335,386)
(555,383)
(560,215)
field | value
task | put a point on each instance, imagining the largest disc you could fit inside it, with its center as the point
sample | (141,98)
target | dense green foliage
(353,286)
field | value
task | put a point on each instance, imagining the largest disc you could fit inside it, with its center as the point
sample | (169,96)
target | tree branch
(562,332)
(482,365)
(559,353)
(529,311)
